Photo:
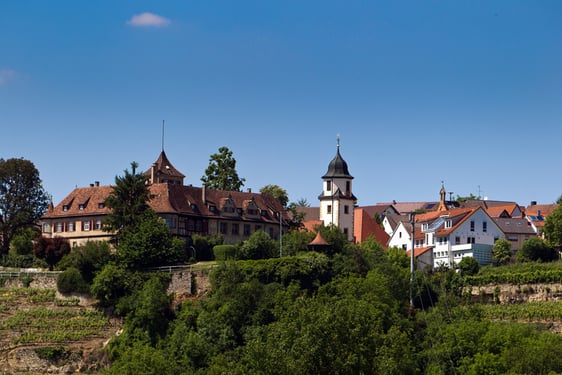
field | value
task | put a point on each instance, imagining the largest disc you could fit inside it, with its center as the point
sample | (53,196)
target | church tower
(337,201)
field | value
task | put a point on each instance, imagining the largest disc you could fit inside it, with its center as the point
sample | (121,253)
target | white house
(458,233)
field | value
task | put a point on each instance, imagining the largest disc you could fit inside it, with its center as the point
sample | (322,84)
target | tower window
(346,209)
(329,185)
(347,187)
(329,209)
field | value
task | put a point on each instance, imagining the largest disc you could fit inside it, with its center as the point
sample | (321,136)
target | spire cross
(338,136)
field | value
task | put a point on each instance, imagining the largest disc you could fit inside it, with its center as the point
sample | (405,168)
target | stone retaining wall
(508,293)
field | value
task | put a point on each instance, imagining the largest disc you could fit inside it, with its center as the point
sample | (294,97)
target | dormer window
(263,213)
(193,207)
(101,205)
(212,208)
(65,207)
(81,207)
(448,223)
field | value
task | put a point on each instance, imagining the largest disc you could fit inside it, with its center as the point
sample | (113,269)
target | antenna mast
(162,135)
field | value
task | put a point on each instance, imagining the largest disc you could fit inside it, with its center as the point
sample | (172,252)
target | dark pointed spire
(338,167)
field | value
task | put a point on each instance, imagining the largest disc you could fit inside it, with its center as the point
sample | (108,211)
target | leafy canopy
(221,173)
(22,198)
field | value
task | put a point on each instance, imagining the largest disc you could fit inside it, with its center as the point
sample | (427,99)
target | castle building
(187,210)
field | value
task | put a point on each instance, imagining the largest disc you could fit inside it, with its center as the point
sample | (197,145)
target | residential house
(458,233)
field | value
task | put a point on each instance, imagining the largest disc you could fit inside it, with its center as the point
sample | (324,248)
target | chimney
(539,214)
(533,203)
(204,193)
(153,173)
(91,185)
(249,190)
(97,183)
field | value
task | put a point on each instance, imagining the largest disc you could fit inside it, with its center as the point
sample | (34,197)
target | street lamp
(413,222)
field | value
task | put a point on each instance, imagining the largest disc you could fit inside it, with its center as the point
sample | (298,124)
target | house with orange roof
(537,214)
(187,210)
(458,233)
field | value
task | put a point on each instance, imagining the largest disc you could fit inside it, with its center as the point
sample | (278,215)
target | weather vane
(338,137)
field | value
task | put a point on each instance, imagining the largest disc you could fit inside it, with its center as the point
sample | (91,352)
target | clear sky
(467,92)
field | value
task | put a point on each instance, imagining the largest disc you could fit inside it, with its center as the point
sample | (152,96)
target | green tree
(22,242)
(89,259)
(128,201)
(150,244)
(221,173)
(22,198)
(150,310)
(553,228)
(277,192)
(51,249)
(501,251)
(258,246)
(110,284)
(468,266)
(536,249)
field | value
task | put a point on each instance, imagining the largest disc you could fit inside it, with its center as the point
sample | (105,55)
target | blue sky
(465,92)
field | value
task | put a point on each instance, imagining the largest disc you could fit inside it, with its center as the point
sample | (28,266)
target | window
(399,234)
(74,244)
(329,209)
(484,226)
(235,228)
(328,185)
(346,209)
(347,187)
(98,225)
(223,228)
(229,210)
(101,205)
(81,207)
(448,223)
(65,207)
(46,228)
(345,231)
(470,240)
(472,226)
(457,240)
(171,222)
(71,226)
(58,227)
(247,229)
(85,225)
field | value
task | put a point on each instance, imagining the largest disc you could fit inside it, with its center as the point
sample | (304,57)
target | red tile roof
(365,226)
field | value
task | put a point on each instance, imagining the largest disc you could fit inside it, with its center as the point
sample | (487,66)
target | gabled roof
(458,216)
(381,209)
(170,198)
(407,207)
(82,202)
(365,226)
(514,225)
(310,213)
(419,251)
(394,220)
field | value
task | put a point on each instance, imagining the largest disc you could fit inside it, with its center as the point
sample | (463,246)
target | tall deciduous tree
(128,201)
(277,192)
(553,227)
(221,173)
(51,249)
(501,251)
(22,198)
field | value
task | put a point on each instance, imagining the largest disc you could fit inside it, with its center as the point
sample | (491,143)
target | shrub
(224,252)
(71,280)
